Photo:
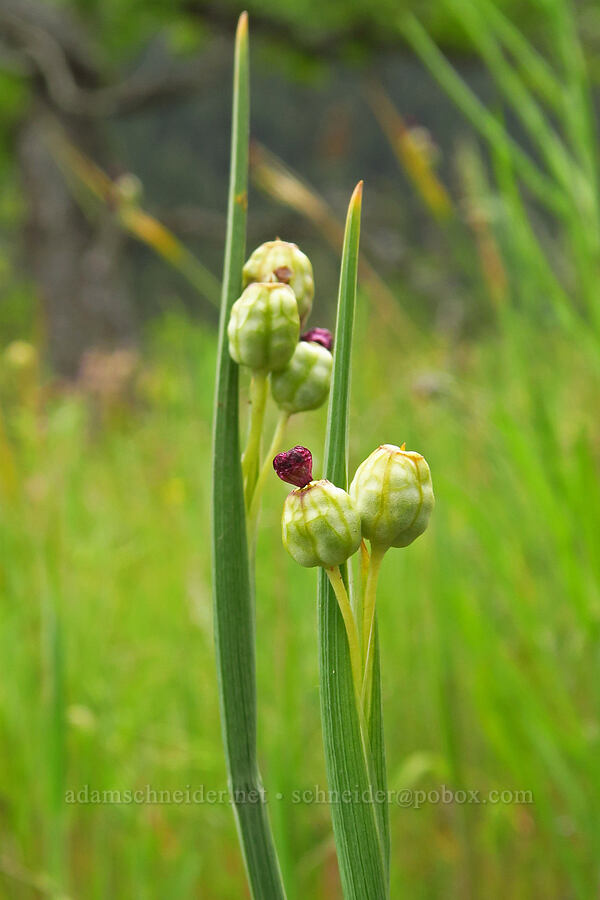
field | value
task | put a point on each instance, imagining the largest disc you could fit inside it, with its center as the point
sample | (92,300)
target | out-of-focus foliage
(122,29)
(489,627)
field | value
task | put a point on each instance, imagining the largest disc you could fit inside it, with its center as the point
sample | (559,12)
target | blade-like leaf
(359,840)
(480,117)
(232,585)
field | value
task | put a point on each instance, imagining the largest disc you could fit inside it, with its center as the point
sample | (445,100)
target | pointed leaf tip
(242,26)
(357,194)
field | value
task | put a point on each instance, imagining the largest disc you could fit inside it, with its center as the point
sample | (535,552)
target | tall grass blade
(359,840)
(531,64)
(232,586)
(569,189)
(488,125)
(542,133)
(55,749)
(577,106)
(580,213)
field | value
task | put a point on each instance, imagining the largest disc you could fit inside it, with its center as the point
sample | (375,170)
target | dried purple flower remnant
(283,273)
(294,466)
(320,336)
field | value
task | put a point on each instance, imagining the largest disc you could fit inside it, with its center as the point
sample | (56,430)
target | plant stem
(8,469)
(259,387)
(337,583)
(264,472)
(364,567)
(368,630)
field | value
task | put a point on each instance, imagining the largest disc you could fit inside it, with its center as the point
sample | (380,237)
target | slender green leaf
(232,584)
(532,65)
(54,697)
(577,97)
(484,121)
(356,824)
(558,160)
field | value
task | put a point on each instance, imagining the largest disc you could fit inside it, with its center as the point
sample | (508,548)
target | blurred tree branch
(78,261)
(49,46)
(73,79)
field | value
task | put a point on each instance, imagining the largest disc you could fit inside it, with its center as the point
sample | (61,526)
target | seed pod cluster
(284,262)
(264,327)
(389,503)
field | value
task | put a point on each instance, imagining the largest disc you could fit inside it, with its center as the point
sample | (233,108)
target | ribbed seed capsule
(304,383)
(393,493)
(264,326)
(320,525)
(284,262)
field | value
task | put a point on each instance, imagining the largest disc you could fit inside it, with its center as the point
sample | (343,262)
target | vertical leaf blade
(232,583)
(336,441)
(360,846)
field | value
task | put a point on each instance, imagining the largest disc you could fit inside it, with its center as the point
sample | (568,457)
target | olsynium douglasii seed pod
(320,524)
(304,383)
(284,262)
(264,326)
(393,493)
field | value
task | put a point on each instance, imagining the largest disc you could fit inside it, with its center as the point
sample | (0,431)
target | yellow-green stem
(267,467)
(250,458)
(364,566)
(343,600)
(368,624)
(8,469)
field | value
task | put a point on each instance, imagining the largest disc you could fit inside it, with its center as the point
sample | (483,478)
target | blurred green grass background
(489,624)
(489,627)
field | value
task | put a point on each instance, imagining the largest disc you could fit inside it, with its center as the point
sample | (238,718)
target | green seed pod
(264,327)
(393,492)
(320,525)
(304,383)
(284,262)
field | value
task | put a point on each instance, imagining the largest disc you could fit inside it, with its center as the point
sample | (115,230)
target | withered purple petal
(320,336)
(294,466)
